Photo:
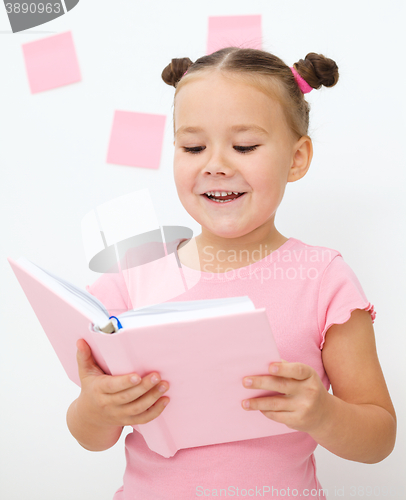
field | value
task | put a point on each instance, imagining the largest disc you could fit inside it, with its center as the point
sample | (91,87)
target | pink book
(202,348)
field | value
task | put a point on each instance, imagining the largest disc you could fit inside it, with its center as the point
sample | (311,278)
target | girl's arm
(87,433)
(358,422)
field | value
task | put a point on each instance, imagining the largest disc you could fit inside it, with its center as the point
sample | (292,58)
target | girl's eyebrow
(235,128)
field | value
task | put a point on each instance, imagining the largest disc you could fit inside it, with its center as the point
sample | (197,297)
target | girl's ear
(302,157)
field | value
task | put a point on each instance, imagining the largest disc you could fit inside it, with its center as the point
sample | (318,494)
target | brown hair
(265,71)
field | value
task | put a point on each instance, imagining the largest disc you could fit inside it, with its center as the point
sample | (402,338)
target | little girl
(241,134)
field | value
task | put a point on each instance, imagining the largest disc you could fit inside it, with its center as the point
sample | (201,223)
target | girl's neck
(219,255)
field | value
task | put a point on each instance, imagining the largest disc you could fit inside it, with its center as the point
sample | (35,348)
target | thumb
(86,363)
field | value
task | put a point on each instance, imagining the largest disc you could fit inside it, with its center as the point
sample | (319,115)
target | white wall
(53,147)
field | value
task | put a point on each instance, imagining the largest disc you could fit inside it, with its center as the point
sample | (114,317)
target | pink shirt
(305,289)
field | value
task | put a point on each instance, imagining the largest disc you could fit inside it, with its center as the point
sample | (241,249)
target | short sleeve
(340,293)
(112,291)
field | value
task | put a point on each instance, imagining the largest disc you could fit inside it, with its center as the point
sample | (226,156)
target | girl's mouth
(218,198)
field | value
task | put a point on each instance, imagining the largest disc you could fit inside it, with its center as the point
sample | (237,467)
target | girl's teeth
(223,193)
(215,194)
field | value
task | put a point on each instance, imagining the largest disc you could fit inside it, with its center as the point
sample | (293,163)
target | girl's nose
(216,170)
(218,165)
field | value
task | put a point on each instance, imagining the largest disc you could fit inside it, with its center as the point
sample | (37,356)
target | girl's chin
(222,231)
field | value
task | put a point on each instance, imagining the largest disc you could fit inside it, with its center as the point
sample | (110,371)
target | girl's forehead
(218,81)
(229,89)
(217,93)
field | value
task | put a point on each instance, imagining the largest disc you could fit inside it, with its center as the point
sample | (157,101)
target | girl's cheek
(182,182)
(178,173)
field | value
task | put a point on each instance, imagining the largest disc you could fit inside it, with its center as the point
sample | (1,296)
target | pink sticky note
(136,139)
(51,62)
(234,31)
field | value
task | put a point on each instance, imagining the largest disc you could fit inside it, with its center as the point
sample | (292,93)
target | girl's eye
(241,149)
(245,149)
(194,151)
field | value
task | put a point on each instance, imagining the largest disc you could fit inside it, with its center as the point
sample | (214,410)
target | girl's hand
(107,400)
(303,402)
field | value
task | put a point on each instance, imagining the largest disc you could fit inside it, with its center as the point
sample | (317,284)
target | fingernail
(248,382)
(135,379)
(274,369)
(161,388)
(154,379)
(165,402)
(246,404)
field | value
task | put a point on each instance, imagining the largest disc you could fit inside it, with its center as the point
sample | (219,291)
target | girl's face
(231,137)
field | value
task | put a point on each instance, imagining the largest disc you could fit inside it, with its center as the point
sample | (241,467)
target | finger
(269,383)
(147,384)
(86,363)
(152,412)
(269,403)
(283,417)
(120,383)
(144,402)
(297,371)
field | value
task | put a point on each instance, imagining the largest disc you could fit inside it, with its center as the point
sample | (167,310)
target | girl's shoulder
(296,251)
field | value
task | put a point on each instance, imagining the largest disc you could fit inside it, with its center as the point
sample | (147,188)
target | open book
(203,349)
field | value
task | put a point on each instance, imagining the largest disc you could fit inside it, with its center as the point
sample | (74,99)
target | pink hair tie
(184,73)
(303,85)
